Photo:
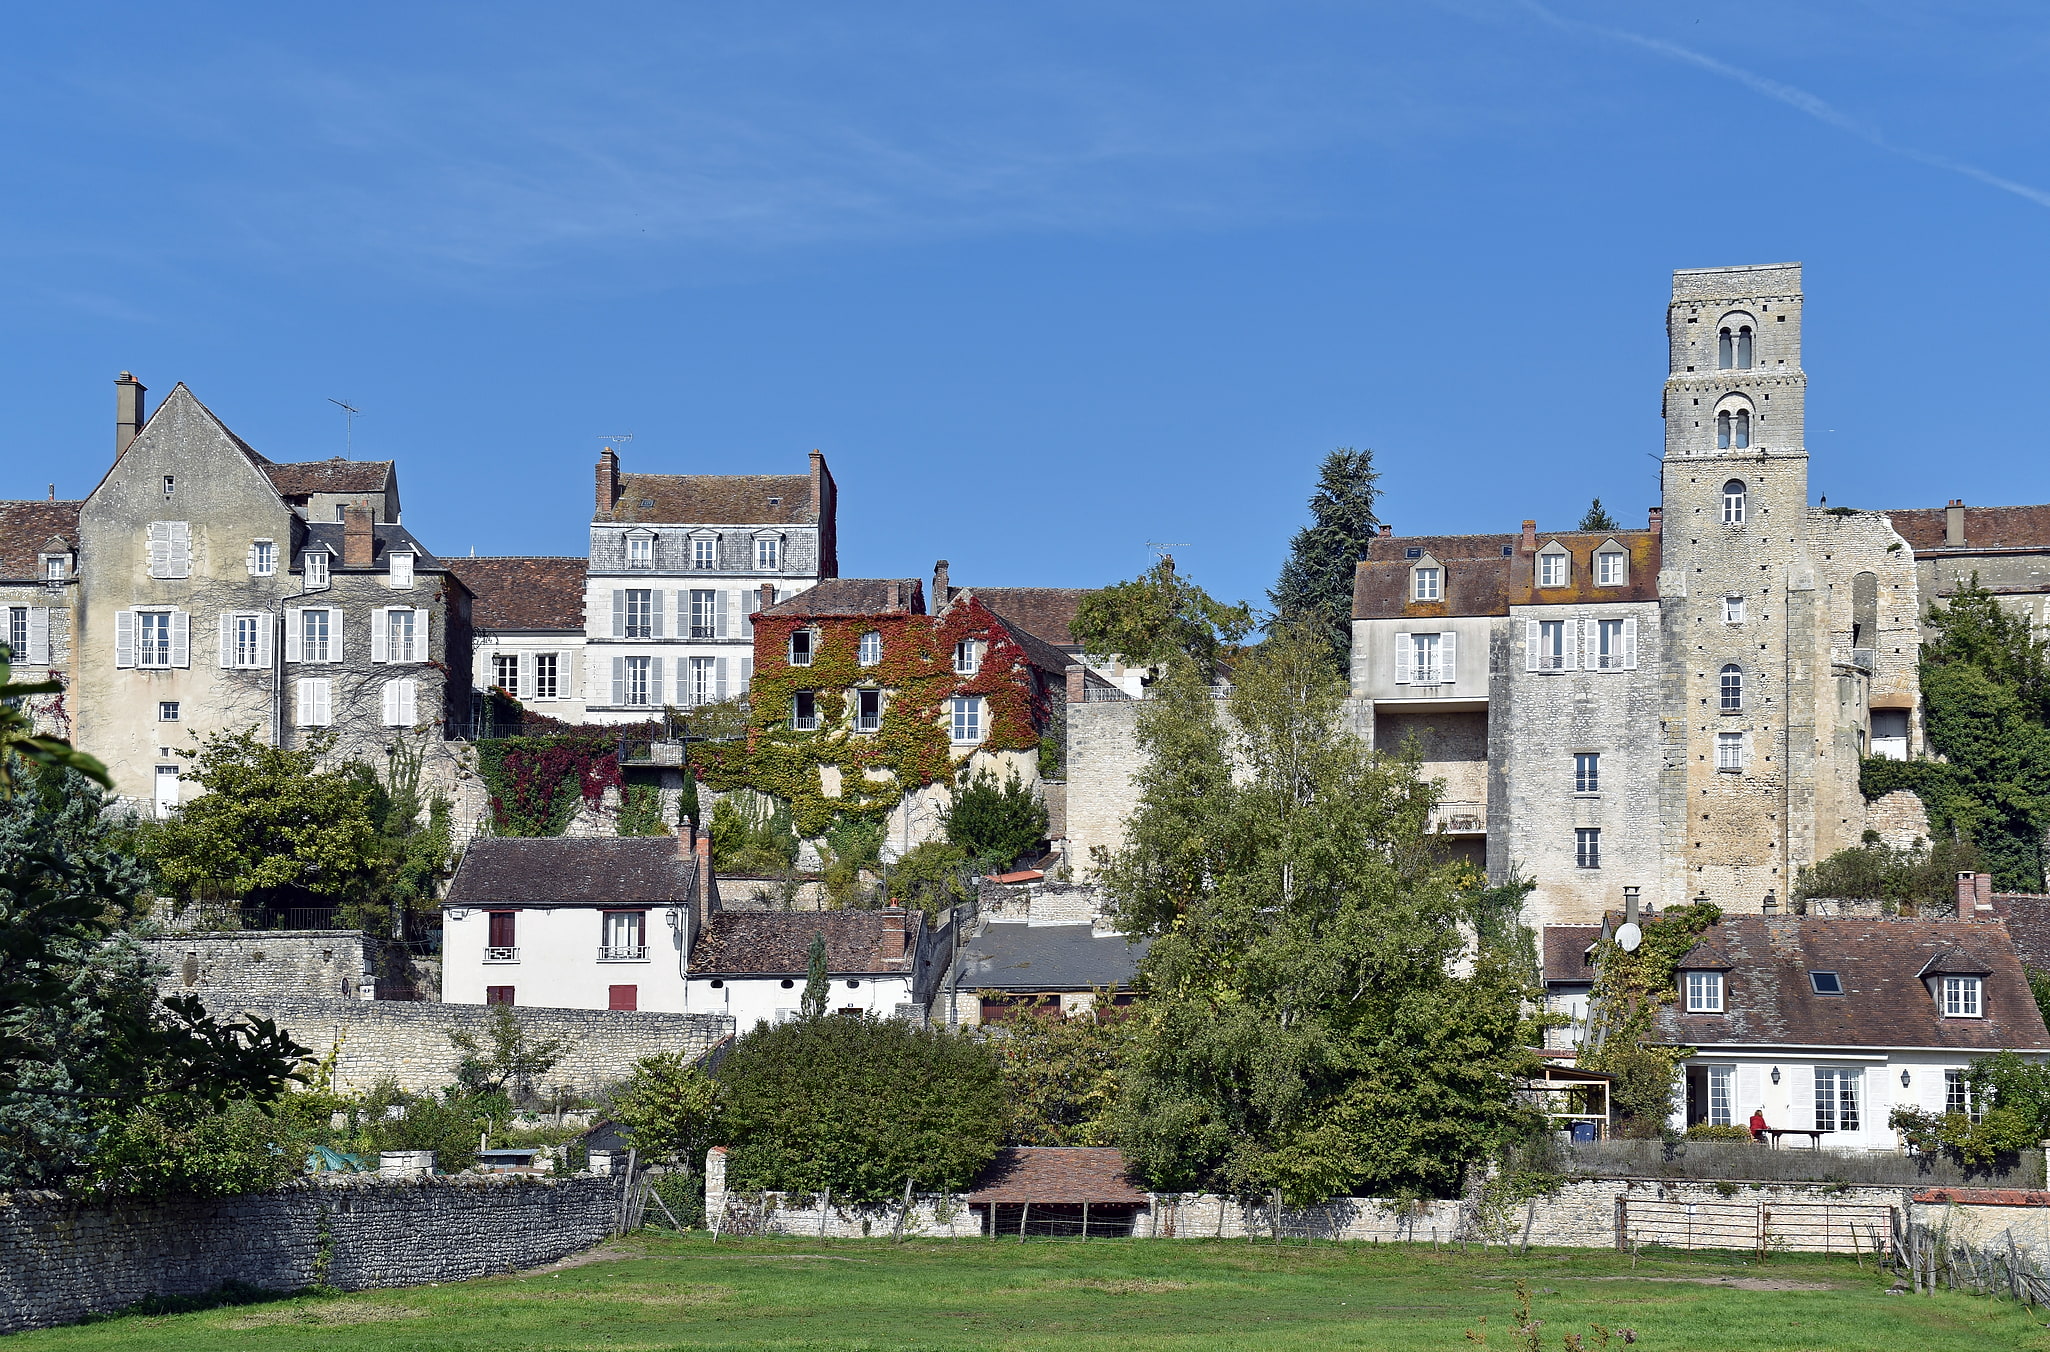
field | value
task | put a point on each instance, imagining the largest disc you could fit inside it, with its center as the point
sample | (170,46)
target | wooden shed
(1075,1191)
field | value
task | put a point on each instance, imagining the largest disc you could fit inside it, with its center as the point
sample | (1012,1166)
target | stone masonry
(262,964)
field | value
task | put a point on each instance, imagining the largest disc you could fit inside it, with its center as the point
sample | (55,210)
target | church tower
(1737,591)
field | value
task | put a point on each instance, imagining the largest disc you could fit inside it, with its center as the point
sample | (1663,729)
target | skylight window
(1826,983)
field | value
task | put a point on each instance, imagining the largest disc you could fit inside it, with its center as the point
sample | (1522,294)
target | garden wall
(408,1040)
(268,964)
(61,1260)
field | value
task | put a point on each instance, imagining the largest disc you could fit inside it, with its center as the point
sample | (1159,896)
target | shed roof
(1018,957)
(778,943)
(573,871)
(544,593)
(26,526)
(1057,1174)
(714,500)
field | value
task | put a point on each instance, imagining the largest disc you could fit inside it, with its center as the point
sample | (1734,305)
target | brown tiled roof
(1566,957)
(1480,580)
(2028,923)
(1985,528)
(26,526)
(1043,612)
(1983,1197)
(1885,1002)
(1040,653)
(852,596)
(714,500)
(524,593)
(329,476)
(1056,1174)
(778,943)
(572,871)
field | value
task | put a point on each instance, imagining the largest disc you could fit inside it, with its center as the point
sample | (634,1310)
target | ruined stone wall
(1103,759)
(262,964)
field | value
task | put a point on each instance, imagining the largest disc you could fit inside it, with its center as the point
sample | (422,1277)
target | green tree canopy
(507,1058)
(1597,518)
(1921,879)
(1315,586)
(858,1105)
(671,1108)
(1156,617)
(996,822)
(1061,1079)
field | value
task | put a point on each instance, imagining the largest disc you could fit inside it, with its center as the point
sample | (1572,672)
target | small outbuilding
(1078,1191)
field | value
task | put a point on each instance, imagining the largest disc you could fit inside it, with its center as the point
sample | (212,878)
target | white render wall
(672,648)
(570,680)
(558,965)
(1791,1102)
(767,999)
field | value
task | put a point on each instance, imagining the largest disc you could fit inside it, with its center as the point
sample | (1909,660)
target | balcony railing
(622,952)
(497,953)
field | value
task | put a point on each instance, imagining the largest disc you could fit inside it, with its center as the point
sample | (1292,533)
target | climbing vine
(1629,990)
(537,782)
(910,747)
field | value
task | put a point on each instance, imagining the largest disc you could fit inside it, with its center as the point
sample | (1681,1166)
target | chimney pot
(768,595)
(1657,520)
(1530,537)
(1954,523)
(1078,683)
(608,480)
(359,541)
(1386,530)
(128,411)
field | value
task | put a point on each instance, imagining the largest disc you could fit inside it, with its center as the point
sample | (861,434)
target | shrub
(996,822)
(930,877)
(158,1152)
(751,833)
(1703,1131)
(451,1125)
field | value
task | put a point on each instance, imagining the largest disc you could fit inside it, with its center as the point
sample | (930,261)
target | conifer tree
(1598,518)
(1315,586)
(815,980)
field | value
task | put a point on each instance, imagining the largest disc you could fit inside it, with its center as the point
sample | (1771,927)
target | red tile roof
(1480,580)
(714,499)
(1985,528)
(1043,612)
(1056,1174)
(1984,1197)
(524,593)
(26,526)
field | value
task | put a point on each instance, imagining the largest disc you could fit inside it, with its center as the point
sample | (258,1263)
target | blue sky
(1045,282)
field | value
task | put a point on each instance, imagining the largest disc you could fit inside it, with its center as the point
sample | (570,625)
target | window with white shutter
(315,562)
(170,549)
(618,614)
(401,703)
(38,652)
(655,665)
(546,669)
(658,605)
(263,558)
(315,707)
(401,565)
(181,638)
(719,679)
(380,635)
(124,638)
(1630,645)
(1448,657)
(295,634)
(750,602)
(619,680)
(1404,659)
(1533,637)
(719,603)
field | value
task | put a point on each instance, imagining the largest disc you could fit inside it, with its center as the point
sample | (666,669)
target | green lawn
(654,1292)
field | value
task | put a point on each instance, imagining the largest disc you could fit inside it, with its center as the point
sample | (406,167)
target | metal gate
(1758,1226)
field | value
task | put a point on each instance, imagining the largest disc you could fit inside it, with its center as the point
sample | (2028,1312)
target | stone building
(676,571)
(39,600)
(527,619)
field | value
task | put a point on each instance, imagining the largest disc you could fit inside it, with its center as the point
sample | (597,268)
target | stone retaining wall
(61,1260)
(267,964)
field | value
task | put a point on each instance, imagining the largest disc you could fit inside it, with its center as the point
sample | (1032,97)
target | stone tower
(1738,590)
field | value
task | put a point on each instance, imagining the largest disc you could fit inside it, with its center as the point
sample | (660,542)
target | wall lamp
(1904,1079)
(1775,1074)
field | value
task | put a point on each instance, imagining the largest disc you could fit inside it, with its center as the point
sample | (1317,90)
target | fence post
(1622,1221)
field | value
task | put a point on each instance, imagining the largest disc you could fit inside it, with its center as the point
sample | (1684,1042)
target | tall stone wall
(264,964)
(1103,759)
(409,1041)
(61,1260)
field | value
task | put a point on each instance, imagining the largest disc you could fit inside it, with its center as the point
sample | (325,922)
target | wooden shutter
(295,634)
(181,549)
(618,613)
(747,673)
(1629,645)
(1800,1095)
(719,679)
(334,634)
(391,702)
(227,640)
(655,665)
(1569,646)
(249,560)
(719,613)
(266,640)
(38,653)
(1404,664)
(618,678)
(181,639)
(409,703)
(380,635)
(1448,657)
(159,537)
(658,601)
(526,676)
(124,638)
(750,602)
(1532,637)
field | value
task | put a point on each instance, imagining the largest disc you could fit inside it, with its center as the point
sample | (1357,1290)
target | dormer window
(768,553)
(1554,567)
(640,551)
(967,657)
(401,564)
(704,551)
(53,567)
(316,562)
(1704,992)
(1426,583)
(1611,568)
(1961,998)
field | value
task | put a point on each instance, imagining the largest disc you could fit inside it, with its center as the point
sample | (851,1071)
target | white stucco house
(752,964)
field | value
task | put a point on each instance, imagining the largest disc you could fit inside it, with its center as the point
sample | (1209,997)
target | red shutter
(619,997)
(498,995)
(502,931)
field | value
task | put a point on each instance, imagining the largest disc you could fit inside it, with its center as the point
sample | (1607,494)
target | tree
(671,1108)
(858,1105)
(931,877)
(1629,989)
(995,823)
(21,747)
(816,981)
(752,834)
(1315,586)
(1060,1073)
(1156,617)
(1918,880)
(1305,1029)
(1597,518)
(506,1059)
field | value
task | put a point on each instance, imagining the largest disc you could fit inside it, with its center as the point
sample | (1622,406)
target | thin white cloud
(1799,99)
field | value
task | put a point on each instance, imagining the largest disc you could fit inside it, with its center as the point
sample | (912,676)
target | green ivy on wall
(536,783)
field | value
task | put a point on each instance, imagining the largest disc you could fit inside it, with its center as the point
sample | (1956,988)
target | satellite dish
(1628,937)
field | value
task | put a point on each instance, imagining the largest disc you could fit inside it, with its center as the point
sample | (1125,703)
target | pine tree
(1598,518)
(815,981)
(1315,586)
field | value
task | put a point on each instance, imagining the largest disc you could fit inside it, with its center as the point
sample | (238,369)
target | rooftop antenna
(619,440)
(349,412)
(1162,546)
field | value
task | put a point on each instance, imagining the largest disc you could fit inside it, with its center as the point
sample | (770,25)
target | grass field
(652,1293)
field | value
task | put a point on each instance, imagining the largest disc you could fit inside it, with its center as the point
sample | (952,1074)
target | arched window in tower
(1733,502)
(1722,430)
(1740,429)
(1725,349)
(1743,347)
(1732,692)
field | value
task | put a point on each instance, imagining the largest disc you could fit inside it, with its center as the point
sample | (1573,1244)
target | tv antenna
(1162,546)
(618,441)
(349,412)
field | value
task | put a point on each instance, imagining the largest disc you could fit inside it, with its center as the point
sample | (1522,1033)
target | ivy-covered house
(865,705)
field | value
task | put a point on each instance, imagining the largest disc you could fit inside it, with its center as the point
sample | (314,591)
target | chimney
(768,595)
(896,597)
(1982,892)
(1078,684)
(895,940)
(825,510)
(1386,530)
(1530,537)
(707,885)
(1629,905)
(941,593)
(359,548)
(608,480)
(128,408)
(1657,520)
(1954,523)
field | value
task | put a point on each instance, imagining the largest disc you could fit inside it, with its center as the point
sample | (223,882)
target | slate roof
(385,536)
(1885,1004)
(1043,612)
(1566,957)
(778,943)
(1008,956)
(1479,580)
(1055,1175)
(328,476)
(851,596)
(572,871)
(1985,528)
(2028,923)
(26,526)
(524,593)
(714,500)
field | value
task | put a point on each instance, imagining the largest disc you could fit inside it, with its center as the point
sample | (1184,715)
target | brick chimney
(895,601)
(1078,684)
(1657,520)
(1974,895)
(1386,530)
(707,885)
(128,410)
(768,595)
(894,942)
(825,510)
(359,547)
(1530,537)
(941,593)
(1954,523)
(608,480)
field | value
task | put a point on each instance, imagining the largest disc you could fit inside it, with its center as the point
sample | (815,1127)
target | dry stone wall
(61,1260)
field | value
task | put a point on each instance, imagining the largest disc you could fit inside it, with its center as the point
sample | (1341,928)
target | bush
(751,834)
(996,822)
(1703,1131)
(151,1153)
(930,877)
(1921,880)
(451,1125)
(2002,1131)
(858,1105)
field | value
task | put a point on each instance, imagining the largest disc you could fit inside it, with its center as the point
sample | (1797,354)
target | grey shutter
(1403,664)
(719,679)
(747,673)
(655,665)
(295,634)
(1630,645)
(266,641)
(38,636)
(124,638)
(618,614)
(618,678)
(719,605)
(1569,646)
(181,639)
(1532,636)
(658,601)
(750,602)
(334,634)
(249,560)
(380,635)
(526,676)
(1448,657)
(227,627)
(181,549)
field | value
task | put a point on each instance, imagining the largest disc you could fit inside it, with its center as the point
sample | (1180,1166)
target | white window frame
(1838,1098)
(704,681)
(1960,1097)
(704,553)
(263,558)
(768,553)
(167,778)
(389,628)
(1587,847)
(1733,609)
(704,612)
(1721,1086)
(313,702)
(1963,997)
(1736,506)
(1587,772)
(1424,657)
(54,568)
(400,701)
(799,720)
(170,549)
(811,647)
(1611,568)
(313,634)
(400,563)
(870,650)
(965,720)
(1704,992)
(1427,585)
(500,663)
(547,675)
(315,563)
(150,655)
(640,681)
(862,721)
(640,550)
(641,607)
(1615,645)
(968,657)
(1729,751)
(1555,569)
(1555,641)
(244,635)
(1729,696)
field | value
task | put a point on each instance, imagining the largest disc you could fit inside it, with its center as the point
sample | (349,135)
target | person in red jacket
(1758,1124)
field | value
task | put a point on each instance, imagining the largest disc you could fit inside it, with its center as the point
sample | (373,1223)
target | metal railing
(622,952)
(506,953)
(1102,694)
